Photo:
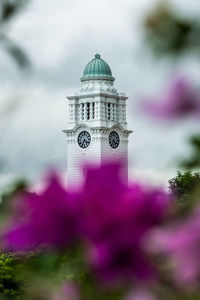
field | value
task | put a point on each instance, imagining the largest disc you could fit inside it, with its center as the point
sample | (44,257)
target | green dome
(97,69)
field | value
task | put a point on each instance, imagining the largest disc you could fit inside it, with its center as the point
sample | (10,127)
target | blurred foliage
(184,183)
(10,281)
(9,194)
(19,274)
(8,10)
(54,265)
(168,292)
(185,189)
(194,160)
(168,33)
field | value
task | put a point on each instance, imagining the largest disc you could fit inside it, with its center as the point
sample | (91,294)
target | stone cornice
(110,128)
(88,78)
(96,94)
(103,129)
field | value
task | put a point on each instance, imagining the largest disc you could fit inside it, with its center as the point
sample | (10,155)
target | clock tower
(97,128)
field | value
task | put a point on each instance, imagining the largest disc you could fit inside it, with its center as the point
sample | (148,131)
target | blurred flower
(45,219)
(110,218)
(179,101)
(140,295)
(69,291)
(116,219)
(182,244)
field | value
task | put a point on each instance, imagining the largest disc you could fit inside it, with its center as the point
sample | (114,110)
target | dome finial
(97,55)
(97,69)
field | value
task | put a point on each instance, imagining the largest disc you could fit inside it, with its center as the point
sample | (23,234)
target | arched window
(82,111)
(88,111)
(108,111)
(93,110)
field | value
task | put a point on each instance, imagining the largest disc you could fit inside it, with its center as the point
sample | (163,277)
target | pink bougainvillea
(179,101)
(110,218)
(181,243)
(48,219)
(116,218)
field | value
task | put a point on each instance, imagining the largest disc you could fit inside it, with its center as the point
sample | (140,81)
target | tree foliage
(185,188)
(169,33)
(8,10)
(193,161)
(10,281)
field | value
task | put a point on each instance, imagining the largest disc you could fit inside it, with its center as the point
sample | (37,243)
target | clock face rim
(88,143)
(113,131)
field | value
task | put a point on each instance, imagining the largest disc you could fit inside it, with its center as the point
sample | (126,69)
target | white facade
(99,110)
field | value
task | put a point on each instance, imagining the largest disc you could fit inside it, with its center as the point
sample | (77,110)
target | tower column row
(96,110)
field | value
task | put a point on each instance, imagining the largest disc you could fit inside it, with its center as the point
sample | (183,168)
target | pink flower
(181,100)
(46,219)
(69,291)
(140,295)
(182,244)
(116,219)
(111,219)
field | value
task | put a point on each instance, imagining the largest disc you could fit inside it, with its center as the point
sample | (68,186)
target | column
(106,111)
(95,110)
(114,112)
(79,112)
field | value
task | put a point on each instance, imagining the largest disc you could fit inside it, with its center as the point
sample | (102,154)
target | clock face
(84,139)
(114,139)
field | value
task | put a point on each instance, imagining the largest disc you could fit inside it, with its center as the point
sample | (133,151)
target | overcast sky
(61,37)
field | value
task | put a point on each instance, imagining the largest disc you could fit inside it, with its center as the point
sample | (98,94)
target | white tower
(97,128)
